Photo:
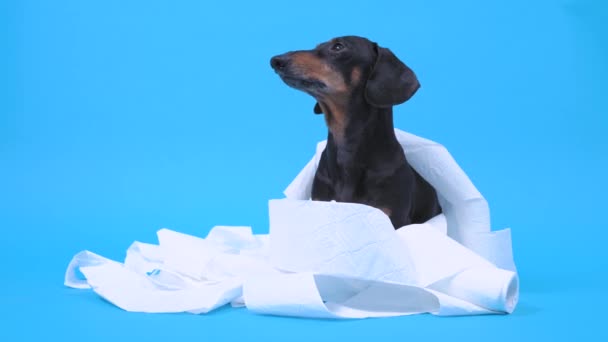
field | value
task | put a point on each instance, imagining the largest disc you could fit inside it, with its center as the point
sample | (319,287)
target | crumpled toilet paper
(325,259)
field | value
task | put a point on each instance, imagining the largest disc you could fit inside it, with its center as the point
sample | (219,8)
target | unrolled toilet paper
(325,259)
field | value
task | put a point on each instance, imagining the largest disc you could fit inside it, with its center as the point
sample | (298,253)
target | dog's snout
(279,62)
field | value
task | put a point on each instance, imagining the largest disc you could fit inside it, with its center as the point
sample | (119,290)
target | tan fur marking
(355,76)
(336,119)
(334,103)
(387,211)
(315,68)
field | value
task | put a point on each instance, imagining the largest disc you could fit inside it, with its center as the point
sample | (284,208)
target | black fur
(363,161)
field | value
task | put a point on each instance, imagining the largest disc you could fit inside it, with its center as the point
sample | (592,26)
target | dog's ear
(318,109)
(391,82)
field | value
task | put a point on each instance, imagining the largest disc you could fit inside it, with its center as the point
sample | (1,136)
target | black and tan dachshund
(356,83)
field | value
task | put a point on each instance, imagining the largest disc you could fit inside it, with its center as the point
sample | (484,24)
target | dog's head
(347,67)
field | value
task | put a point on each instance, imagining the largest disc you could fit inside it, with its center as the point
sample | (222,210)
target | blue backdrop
(118,118)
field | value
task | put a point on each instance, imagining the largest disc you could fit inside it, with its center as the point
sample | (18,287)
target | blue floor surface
(118,118)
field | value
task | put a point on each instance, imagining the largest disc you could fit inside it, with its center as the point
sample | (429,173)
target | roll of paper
(325,259)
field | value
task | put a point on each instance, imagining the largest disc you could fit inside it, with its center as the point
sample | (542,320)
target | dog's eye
(337,47)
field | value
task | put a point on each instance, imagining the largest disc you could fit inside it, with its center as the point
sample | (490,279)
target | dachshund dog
(356,83)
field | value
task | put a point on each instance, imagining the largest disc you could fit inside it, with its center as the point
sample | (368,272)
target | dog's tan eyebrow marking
(355,75)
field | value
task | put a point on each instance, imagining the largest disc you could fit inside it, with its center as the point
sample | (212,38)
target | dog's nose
(279,62)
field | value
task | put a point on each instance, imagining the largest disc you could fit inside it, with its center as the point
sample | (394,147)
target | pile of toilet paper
(325,259)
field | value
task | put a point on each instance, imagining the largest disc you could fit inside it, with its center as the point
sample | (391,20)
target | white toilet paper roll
(450,268)
(489,287)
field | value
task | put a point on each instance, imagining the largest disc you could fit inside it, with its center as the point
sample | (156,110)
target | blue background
(118,118)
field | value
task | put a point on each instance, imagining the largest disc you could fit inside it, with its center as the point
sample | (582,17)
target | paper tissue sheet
(325,259)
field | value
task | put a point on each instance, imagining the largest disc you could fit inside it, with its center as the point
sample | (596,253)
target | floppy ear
(318,109)
(391,82)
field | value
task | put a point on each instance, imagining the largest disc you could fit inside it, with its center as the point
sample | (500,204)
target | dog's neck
(353,128)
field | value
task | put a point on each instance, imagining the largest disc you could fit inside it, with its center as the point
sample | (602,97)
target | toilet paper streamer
(325,259)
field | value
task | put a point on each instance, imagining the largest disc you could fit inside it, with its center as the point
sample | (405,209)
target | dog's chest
(353,185)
